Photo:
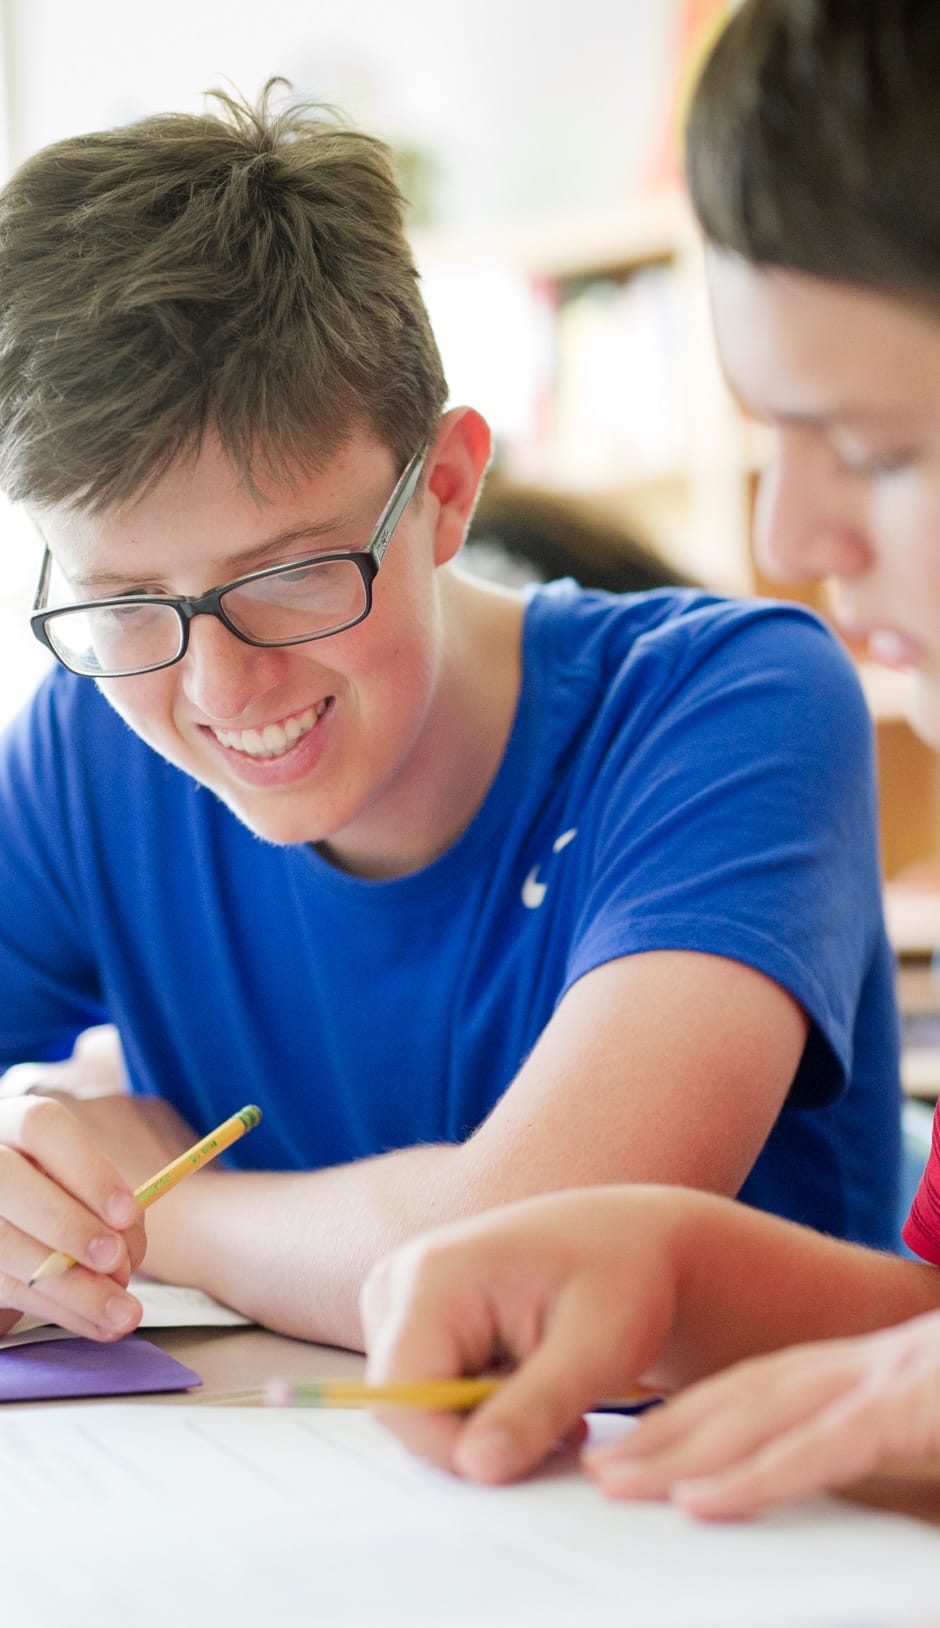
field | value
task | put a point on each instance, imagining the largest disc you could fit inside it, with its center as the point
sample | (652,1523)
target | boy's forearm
(292,1249)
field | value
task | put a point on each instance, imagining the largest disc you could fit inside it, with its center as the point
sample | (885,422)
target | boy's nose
(808,522)
(222,675)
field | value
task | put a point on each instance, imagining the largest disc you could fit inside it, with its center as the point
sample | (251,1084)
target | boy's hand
(785,1426)
(139,1134)
(577,1288)
(59,1191)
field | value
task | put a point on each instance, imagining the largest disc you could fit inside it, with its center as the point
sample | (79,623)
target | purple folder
(55,1369)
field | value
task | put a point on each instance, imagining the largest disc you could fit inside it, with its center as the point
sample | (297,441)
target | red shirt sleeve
(921,1230)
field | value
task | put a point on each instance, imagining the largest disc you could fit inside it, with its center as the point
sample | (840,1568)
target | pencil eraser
(277,1394)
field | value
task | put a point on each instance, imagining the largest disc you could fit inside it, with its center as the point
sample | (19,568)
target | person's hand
(577,1288)
(780,1427)
(95,1069)
(60,1191)
(139,1134)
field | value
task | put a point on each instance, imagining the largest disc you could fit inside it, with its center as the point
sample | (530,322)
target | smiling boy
(476,895)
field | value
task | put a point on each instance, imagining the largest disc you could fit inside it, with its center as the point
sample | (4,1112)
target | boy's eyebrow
(114,582)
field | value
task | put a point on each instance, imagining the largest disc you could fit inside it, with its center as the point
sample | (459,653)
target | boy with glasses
(475,895)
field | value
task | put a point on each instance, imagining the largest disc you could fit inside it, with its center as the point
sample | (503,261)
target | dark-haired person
(476,894)
(814,164)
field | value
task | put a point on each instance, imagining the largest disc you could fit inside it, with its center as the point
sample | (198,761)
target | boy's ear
(457,463)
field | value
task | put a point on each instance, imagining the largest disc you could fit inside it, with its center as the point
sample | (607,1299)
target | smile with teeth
(274,739)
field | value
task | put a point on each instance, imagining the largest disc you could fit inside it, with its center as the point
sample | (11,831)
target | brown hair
(813,141)
(245,272)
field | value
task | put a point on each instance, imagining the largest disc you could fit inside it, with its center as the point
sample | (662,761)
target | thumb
(580,1360)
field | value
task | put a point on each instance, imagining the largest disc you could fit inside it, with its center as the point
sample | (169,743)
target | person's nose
(808,519)
(222,676)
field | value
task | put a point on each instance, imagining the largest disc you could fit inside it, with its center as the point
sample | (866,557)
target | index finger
(406,1305)
(51,1137)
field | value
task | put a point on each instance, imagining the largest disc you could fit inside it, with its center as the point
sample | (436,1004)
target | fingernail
(702,1491)
(614,1474)
(122,1209)
(492,1455)
(104,1252)
(119,1311)
(608,1452)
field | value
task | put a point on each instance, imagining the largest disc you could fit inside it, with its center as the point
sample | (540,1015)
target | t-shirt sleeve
(738,818)
(921,1231)
(48,981)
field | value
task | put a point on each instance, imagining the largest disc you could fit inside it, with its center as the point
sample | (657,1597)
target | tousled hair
(813,141)
(244,273)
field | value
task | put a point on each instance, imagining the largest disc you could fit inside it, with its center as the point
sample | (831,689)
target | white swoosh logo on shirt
(534,891)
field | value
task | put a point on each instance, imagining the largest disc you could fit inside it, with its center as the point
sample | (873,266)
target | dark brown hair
(245,271)
(813,141)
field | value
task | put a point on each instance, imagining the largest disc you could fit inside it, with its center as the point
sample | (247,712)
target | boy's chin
(278,835)
(281,827)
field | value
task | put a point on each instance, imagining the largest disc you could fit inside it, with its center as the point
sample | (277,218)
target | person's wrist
(173,1231)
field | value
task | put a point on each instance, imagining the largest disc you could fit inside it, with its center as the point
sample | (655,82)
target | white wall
(526,104)
(22,659)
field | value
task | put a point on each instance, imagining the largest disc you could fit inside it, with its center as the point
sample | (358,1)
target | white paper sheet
(266,1518)
(166,1305)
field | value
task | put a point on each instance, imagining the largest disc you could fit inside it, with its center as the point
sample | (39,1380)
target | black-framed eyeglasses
(285,604)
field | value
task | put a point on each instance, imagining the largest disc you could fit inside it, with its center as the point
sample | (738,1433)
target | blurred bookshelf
(622,404)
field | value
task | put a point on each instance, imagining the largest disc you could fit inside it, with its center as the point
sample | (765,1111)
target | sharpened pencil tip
(52,1267)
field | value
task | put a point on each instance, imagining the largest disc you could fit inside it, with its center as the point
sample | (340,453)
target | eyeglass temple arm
(397,504)
(39,603)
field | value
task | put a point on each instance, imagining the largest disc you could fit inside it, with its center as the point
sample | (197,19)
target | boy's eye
(127,616)
(876,465)
(299,574)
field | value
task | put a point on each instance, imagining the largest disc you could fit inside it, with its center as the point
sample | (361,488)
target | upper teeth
(273,739)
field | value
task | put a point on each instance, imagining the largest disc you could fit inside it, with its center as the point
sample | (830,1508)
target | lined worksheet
(290,1517)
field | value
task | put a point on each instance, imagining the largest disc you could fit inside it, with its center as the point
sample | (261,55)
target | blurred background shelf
(590,351)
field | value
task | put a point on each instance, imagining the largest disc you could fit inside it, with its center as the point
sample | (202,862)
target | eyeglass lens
(297,601)
(286,606)
(116,639)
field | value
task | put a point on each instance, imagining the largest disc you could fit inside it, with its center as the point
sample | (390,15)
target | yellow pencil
(436,1395)
(195,1157)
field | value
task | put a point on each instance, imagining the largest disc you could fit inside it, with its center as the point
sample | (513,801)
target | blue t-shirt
(683,773)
